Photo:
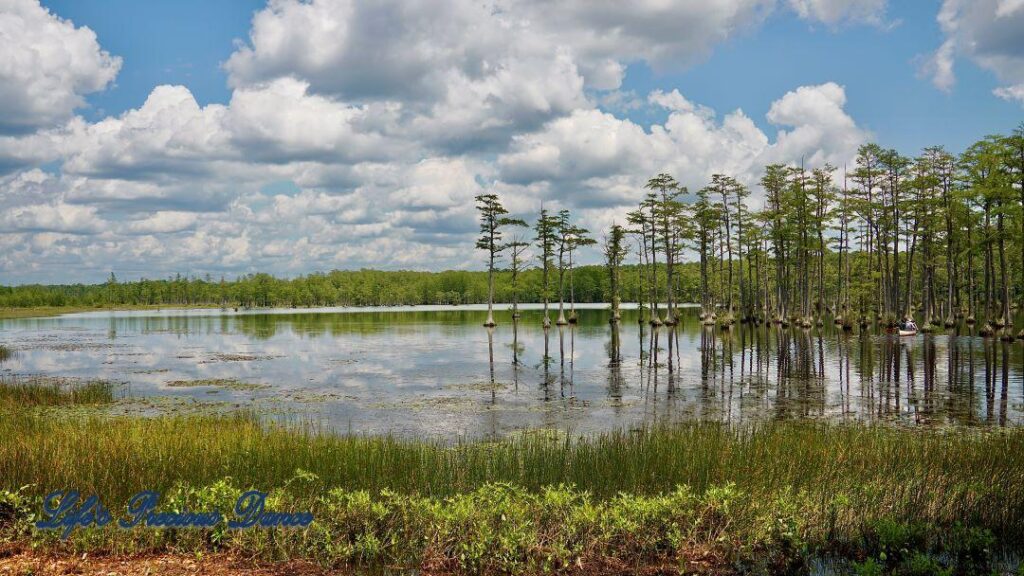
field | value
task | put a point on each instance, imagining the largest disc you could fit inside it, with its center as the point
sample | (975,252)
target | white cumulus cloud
(988,32)
(48,66)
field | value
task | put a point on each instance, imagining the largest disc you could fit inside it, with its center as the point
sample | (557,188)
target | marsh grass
(771,492)
(35,391)
(927,475)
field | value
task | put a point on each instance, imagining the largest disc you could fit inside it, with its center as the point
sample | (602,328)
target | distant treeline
(337,288)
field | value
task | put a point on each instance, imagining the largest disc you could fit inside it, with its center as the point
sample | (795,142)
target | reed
(33,391)
(938,476)
(769,494)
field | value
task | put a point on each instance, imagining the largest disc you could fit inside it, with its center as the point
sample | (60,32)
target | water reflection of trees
(769,371)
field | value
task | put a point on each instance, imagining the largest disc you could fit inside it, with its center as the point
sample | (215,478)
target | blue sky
(152,138)
(182,42)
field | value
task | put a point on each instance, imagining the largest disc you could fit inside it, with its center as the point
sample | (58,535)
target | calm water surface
(435,371)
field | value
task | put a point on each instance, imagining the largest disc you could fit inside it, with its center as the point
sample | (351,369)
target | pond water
(436,372)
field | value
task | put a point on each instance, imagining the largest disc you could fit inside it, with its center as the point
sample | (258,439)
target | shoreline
(16,313)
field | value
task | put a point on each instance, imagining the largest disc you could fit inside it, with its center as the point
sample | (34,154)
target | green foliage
(919,564)
(918,548)
(969,547)
(17,513)
(495,528)
(892,541)
(869,567)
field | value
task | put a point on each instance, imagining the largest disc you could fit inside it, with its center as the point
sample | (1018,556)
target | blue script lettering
(65,511)
(139,508)
(250,510)
(142,511)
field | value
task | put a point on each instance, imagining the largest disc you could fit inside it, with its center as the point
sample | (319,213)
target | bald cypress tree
(774,182)
(614,253)
(706,218)
(563,231)
(546,235)
(665,211)
(517,250)
(1015,164)
(822,197)
(577,237)
(868,176)
(492,220)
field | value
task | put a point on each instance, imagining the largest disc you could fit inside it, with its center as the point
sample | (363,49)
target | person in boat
(908,324)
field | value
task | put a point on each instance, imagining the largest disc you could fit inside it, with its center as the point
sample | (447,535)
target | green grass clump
(22,392)
(5,353)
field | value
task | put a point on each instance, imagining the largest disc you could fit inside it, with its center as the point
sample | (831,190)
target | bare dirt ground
(28,563)
(22,562)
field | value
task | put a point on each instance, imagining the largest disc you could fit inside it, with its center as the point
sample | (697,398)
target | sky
(285,136)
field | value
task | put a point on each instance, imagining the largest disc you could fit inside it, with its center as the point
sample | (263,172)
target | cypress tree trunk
(950,272)
(1005,320)
(490,292)
(641,257)
(669,257)
(908,303)
(655,312)
(561,284)
(728,246)
(989,273)
(971,318)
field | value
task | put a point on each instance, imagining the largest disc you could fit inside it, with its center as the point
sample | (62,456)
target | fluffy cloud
(168,132)
(423,52)
(820,129)
(594,159)
(164,222)
(835,11)
(48,65)
(461,73)
(989,33)
(401,211)
(415,52)
(358,134)
(34,201)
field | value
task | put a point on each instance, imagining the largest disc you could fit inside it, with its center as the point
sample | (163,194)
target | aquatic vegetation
(477,386)
(225,383)
(235,358)
(28,391)
(5,353)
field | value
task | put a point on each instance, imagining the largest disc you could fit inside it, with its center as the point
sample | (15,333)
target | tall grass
(24,392)
(846,474)
(696,496)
